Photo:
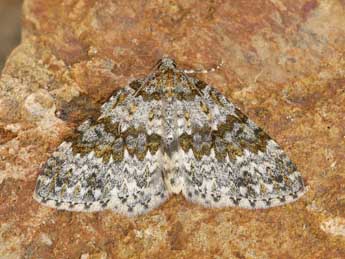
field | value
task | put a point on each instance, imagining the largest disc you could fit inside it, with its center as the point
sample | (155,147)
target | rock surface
(284,65)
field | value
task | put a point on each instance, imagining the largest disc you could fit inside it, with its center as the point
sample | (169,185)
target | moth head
(166,63)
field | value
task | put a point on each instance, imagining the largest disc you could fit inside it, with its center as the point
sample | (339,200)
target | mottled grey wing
(224,159)
(111,163)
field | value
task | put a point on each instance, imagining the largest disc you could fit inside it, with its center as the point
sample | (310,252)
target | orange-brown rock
(284,65)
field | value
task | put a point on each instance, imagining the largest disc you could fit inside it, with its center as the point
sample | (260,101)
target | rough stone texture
(284,65)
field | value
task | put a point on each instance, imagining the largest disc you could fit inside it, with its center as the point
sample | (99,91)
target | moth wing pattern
(166,134)
(111,163)
(225,159)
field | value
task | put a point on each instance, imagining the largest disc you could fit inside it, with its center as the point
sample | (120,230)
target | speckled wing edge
(231,161)
(113,202)
(112,163)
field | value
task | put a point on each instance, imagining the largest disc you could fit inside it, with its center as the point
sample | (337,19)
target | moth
(166,134)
